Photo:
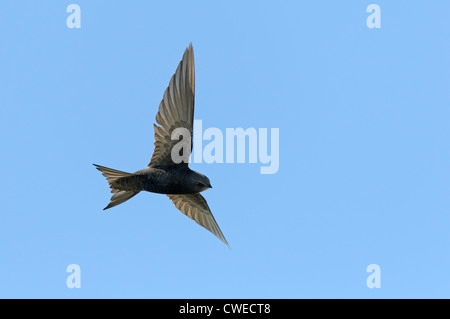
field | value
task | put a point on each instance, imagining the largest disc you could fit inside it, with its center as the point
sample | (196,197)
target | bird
(164,175)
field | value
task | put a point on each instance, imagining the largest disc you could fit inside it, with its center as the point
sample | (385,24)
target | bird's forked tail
(120,185)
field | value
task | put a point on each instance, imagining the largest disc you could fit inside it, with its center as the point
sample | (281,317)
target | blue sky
(363,116)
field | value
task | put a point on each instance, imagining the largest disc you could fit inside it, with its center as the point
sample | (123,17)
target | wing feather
(176,110)
(196,208)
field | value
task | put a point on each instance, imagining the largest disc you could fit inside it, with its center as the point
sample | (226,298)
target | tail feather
(120,195)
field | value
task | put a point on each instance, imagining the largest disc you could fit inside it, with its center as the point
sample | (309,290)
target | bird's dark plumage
(181,184)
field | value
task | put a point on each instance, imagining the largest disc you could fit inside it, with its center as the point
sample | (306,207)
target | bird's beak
(210,186)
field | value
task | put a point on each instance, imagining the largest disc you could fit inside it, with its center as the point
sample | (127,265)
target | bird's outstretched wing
(195,207)
(176,110)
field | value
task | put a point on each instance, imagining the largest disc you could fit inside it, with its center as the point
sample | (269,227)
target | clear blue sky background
(364,172)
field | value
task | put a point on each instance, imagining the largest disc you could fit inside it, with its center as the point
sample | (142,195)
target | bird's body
(164,174)
(163,180)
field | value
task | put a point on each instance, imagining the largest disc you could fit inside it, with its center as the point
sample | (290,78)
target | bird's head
(199,182)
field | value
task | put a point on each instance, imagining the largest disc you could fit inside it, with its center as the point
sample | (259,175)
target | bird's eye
(200,185)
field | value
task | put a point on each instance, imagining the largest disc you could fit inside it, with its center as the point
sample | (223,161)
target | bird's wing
(195,207)
(176,110)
